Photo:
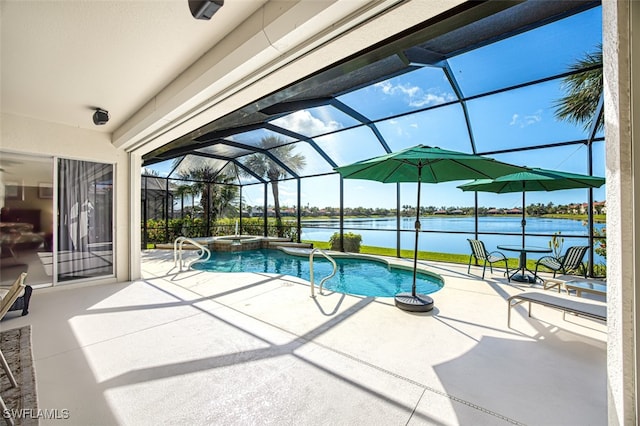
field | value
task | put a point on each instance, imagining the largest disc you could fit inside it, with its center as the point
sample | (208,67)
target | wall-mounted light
(204,9)
(100,117)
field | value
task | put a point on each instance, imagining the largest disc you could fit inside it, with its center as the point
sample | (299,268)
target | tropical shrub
(351,242)
(601,247)
(556,244)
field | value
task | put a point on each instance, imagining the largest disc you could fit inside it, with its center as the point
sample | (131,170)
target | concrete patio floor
(204,348)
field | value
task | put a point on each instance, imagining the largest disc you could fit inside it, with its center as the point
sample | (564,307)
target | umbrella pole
(522,262)
(413,301)
(417,226)
(524,209)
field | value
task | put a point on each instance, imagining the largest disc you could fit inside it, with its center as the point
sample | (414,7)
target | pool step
(276,244)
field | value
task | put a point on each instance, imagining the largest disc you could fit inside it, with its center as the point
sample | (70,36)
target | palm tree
(583,91)
(264,166)
(226,196)
(201,177)
(192,193)
(150,172)
(216,193)
(181,191)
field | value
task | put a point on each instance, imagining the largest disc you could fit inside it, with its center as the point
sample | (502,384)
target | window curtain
(85,205)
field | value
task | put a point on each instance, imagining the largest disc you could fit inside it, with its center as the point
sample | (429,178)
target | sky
(518,118)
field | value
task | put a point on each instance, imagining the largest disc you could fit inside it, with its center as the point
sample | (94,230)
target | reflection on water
(379,232)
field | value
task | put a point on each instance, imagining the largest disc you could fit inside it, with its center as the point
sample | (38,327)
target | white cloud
(534,118)
(430,99)
(414,95)
(305,123)
(526,120)
(385,86)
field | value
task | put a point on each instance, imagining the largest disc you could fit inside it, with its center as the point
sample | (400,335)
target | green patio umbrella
(533,180)
(430,165)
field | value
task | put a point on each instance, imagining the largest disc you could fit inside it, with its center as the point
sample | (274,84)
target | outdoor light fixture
(204,9)
(100,117)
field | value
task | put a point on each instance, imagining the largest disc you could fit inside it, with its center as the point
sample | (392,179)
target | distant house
(599,207)
(288,212)
(573,208)
(583,208)
(514,211)
(494,211)
(456,211)
(440,212)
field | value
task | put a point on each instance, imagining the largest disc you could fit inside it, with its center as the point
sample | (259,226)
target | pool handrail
(330,259)
(177,252)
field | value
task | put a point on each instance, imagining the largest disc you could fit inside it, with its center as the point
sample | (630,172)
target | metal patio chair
(570,261)
(479,251)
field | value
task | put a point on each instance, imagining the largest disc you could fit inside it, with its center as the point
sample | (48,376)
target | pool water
(354,276)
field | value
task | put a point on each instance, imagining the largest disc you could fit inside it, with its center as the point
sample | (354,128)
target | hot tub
(236,243)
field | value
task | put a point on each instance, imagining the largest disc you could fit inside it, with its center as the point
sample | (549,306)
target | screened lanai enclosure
(520,82)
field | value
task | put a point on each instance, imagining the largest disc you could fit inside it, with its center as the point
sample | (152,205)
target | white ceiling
(61,59)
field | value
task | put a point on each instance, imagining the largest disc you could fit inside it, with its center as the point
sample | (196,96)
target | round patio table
(521,275)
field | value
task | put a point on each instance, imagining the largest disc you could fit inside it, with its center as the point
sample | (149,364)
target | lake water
(380,232)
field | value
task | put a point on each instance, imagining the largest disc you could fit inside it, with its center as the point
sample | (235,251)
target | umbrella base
(417,303)
(523,278)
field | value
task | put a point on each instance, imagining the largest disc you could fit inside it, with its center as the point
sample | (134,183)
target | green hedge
(351,242)
(194,228)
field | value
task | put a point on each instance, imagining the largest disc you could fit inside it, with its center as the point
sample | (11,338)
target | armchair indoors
(570,261)
(479,251)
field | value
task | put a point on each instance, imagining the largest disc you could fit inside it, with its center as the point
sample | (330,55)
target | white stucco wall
(622,265)
(31,136)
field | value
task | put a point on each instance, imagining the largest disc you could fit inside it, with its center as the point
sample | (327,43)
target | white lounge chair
(585,307)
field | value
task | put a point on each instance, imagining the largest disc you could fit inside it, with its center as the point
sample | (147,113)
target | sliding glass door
(26,218)
(85,220)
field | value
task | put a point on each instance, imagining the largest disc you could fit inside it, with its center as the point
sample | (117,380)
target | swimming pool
(362,277)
